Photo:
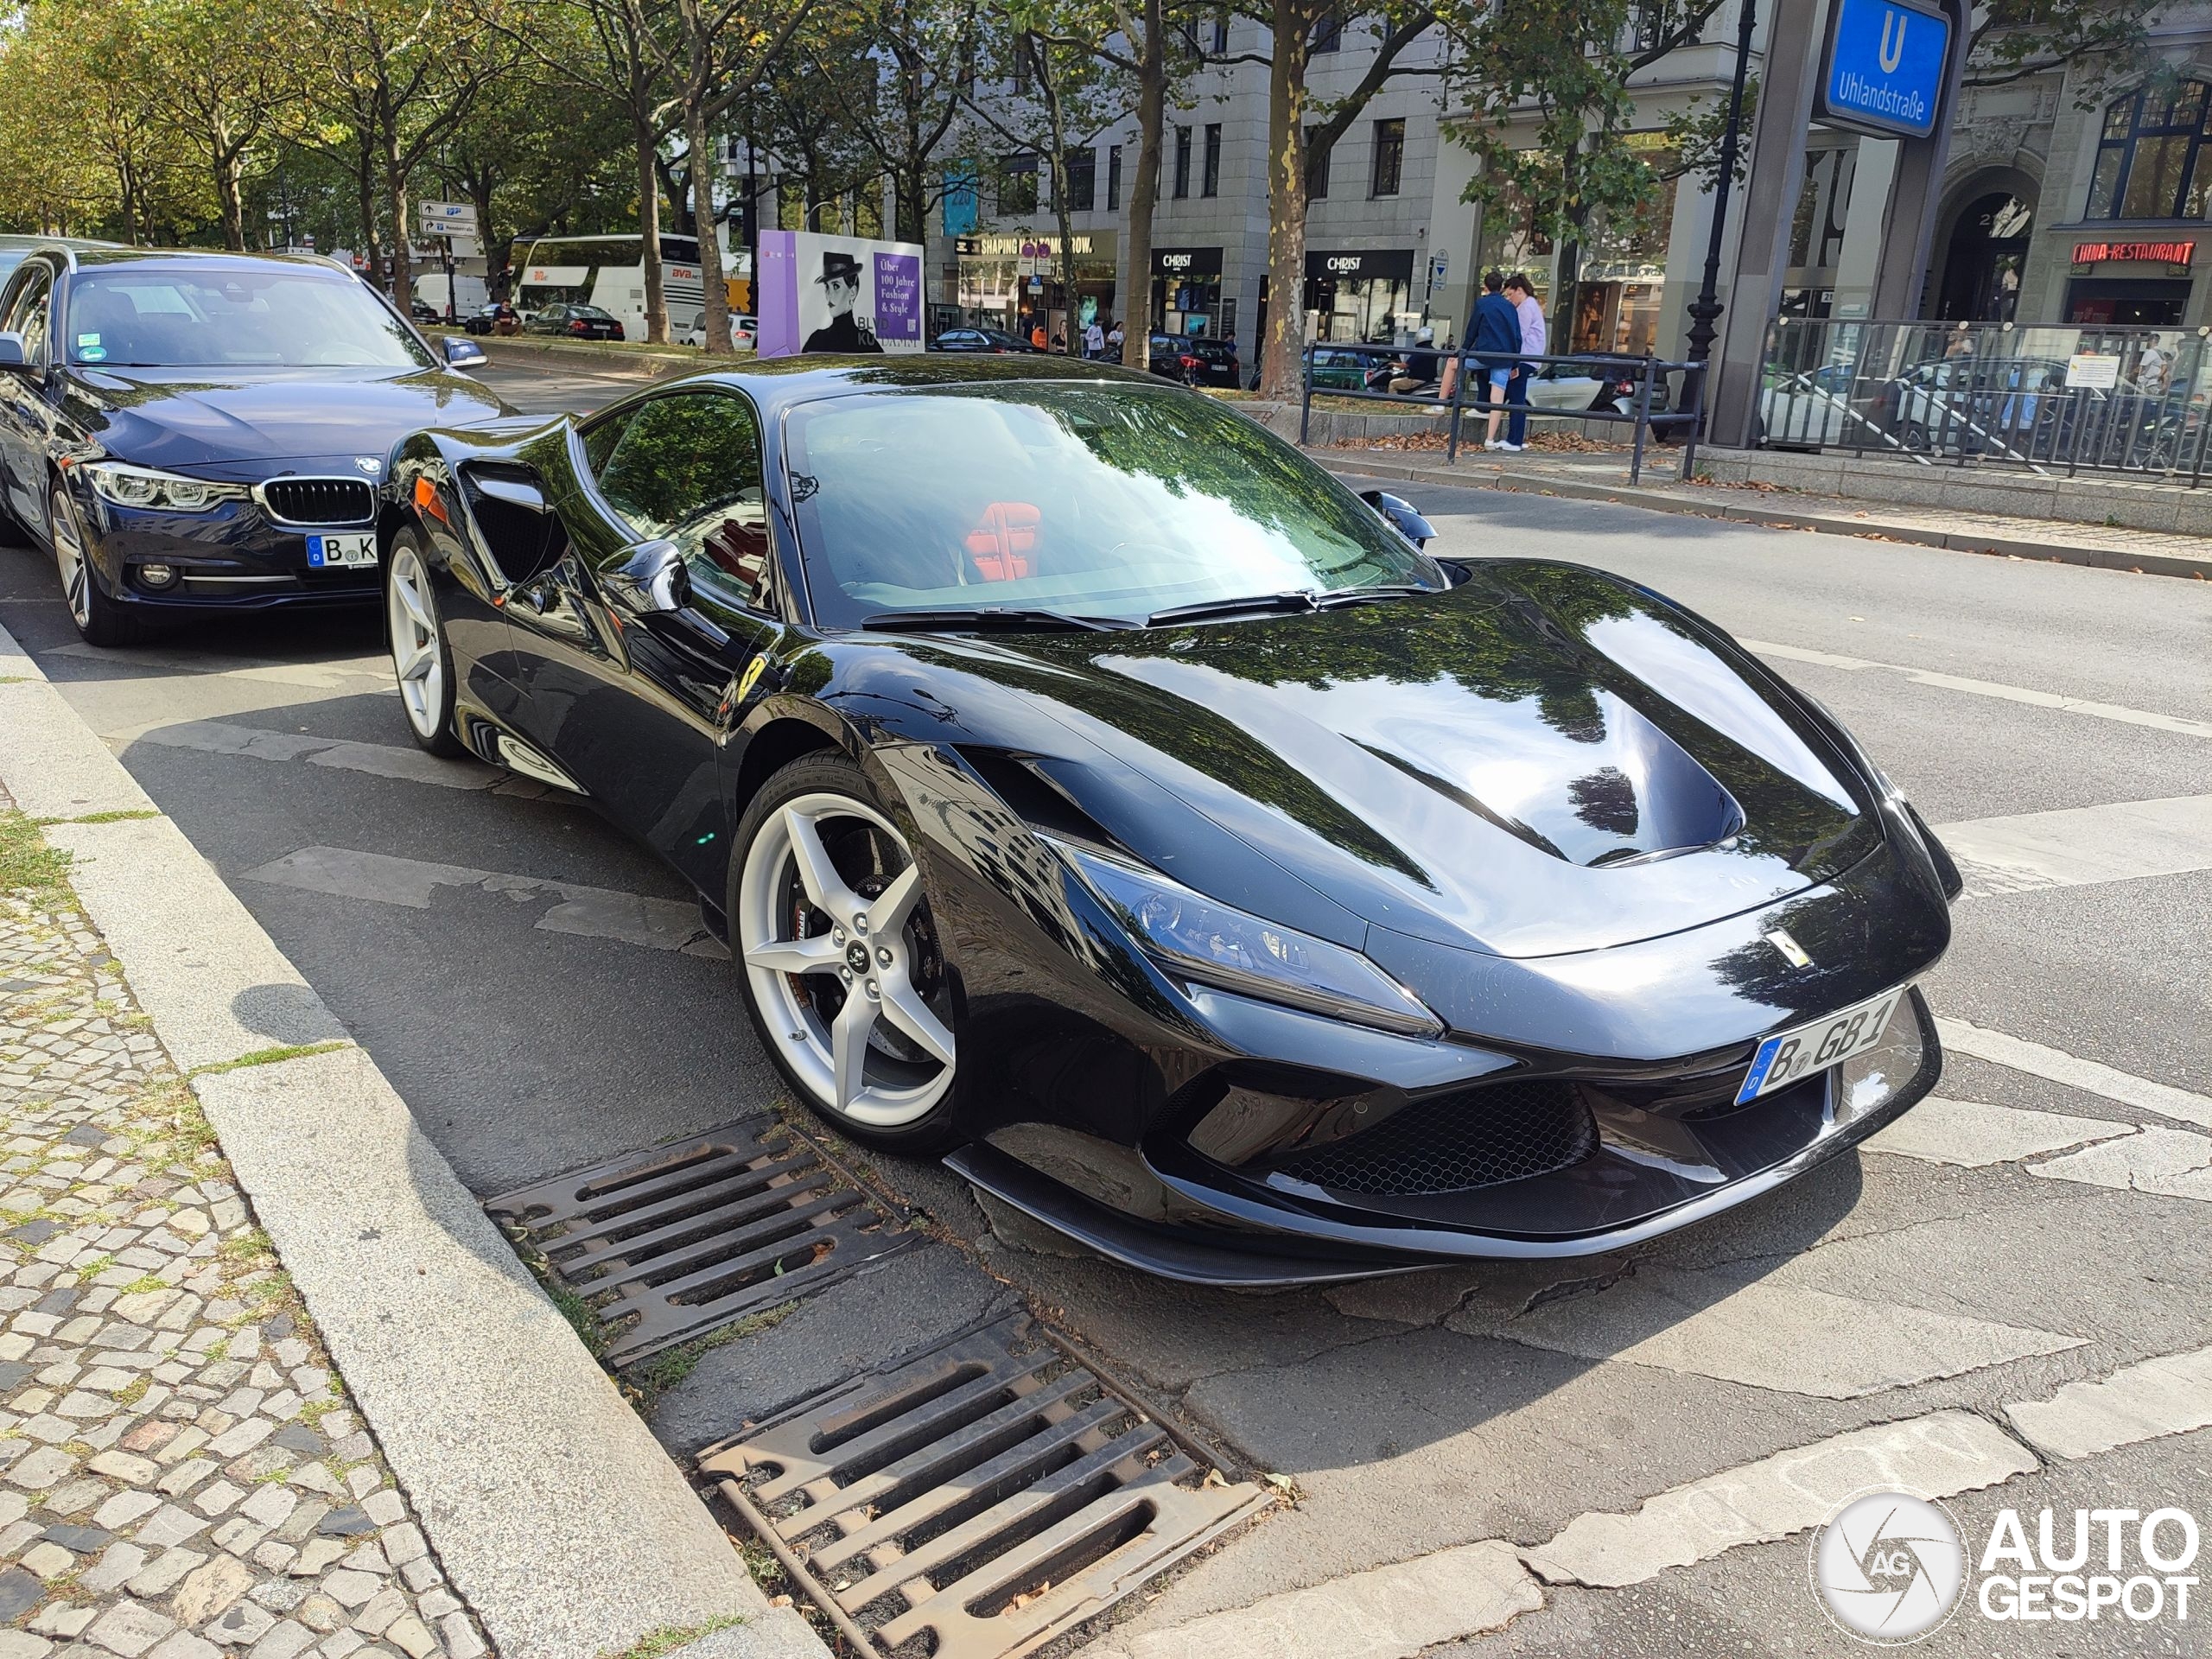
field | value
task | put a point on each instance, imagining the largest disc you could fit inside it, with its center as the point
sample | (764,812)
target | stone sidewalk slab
(2172,1394)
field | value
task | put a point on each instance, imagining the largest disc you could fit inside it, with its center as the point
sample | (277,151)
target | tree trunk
(372,240)
(716,316)
(1058,116)
(403,252)
(228,191)
(1134,290)
(641,134)
(1282,351)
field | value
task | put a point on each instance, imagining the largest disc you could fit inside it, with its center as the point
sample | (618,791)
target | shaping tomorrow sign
(1887,60)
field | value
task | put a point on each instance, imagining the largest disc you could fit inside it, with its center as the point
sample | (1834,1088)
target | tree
(404,74)
(1292,25)
(712,55)
(223,74)
(1549,113)
(924,56)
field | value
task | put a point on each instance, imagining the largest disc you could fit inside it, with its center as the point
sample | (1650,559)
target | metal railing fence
(1362,371)
(2046,400)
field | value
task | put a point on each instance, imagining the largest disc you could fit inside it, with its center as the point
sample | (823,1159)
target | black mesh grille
(320,500)
(1477,1137)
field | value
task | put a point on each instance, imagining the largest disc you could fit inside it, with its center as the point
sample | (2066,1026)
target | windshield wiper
(995,616)
(1298,599)
(1341,596)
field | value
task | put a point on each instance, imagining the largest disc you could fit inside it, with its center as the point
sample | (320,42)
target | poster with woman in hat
(838,294)
(840,282)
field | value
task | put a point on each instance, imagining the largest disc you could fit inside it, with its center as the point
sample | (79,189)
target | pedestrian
(1535,341)
(1493,336)
(1113,340)
(1094,339)
(1417,368)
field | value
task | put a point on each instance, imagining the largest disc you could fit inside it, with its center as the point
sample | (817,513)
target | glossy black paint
(1562,811)
(239,426)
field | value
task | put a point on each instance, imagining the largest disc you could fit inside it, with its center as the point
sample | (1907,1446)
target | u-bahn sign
(1885,67)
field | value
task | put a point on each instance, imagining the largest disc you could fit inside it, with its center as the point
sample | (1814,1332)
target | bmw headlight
(148,490)
(1203,939)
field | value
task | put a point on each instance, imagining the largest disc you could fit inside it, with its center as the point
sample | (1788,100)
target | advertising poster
(840,294)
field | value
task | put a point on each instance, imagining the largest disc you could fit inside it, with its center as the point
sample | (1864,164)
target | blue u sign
(1886,62)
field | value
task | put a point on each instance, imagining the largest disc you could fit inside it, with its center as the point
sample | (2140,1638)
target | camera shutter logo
(1889,1568)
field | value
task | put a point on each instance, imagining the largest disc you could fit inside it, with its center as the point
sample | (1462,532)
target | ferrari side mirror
(654,577)
(1401,515)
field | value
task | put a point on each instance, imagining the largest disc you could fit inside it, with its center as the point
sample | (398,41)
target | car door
(635,700)
(26,418)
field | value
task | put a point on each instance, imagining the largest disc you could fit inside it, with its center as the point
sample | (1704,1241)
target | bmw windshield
(1109,503)
(223,316)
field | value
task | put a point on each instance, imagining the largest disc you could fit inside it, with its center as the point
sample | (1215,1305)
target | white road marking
(2089,1076)
(1771,1333)
(2077,846)
(1991,689)
(1939,1455)
(587,911)
(2172,1394)
(2169,1163)
(1971,1134)
(1387,1613)
(381,760)
(319,675)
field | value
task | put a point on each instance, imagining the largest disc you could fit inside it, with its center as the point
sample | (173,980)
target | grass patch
(268,1057)
(123,816)
(140,1286)
(27,862)
(656,1377)
(248,1246)
(655,1644)
(133,1391)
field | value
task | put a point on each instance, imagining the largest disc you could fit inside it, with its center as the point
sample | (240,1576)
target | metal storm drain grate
(666,1243)
(976,1502)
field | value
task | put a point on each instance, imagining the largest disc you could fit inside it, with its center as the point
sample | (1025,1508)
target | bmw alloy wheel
(70,561)
(840,958)
(418,654)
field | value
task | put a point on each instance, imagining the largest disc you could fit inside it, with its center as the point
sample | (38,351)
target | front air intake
(318,500)
(1483,1136)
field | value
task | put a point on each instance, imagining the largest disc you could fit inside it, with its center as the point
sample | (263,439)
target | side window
(27,312)
(687,466)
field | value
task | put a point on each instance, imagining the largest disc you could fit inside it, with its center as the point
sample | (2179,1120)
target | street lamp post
(1705,308)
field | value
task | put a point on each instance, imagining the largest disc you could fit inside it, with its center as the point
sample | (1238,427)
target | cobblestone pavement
(181,1475)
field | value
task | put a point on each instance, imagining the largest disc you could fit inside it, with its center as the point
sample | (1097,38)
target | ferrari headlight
(146,488)
(1203,939)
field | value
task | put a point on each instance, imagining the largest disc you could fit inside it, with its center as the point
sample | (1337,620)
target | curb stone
(2144,564)
(556,1513)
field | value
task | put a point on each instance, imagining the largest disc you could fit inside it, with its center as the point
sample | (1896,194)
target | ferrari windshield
(227,315)
(1110,502)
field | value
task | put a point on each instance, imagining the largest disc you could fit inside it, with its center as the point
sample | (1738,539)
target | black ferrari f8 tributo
(1094,791)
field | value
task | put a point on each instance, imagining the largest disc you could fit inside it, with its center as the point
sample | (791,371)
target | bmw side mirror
(1401,515)
(12,355)
(655,577)
(460,349)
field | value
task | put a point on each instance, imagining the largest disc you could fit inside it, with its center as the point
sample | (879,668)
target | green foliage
(27,863)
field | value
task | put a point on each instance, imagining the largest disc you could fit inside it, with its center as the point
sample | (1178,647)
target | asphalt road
(1444,1408)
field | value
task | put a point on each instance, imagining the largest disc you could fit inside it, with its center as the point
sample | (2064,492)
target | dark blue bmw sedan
(197,433)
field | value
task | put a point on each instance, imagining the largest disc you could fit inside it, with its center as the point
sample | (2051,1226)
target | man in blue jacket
(1494,336)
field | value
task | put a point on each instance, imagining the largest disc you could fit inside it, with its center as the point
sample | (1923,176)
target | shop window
(1022,48)
(1113,178)
(1317,168)
(1083,180)
(1328,35)
(2150,155)
(1221,32)
(1017,184)
(1389,158)
(1182,162)
(1209,183)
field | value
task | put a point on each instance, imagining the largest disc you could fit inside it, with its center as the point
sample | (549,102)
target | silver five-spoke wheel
(69,560)
(841,960)
(418,646)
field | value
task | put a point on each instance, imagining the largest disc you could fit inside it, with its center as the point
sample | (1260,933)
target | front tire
(99,618)
(838,957)
(421,659)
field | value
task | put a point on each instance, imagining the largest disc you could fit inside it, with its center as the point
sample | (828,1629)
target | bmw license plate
(341,552)
(1790,1056)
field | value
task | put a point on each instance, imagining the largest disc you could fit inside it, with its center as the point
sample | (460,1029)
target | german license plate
(341,552)
(1790,1056)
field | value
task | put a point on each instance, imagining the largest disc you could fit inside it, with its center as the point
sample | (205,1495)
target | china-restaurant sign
(2155,253)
